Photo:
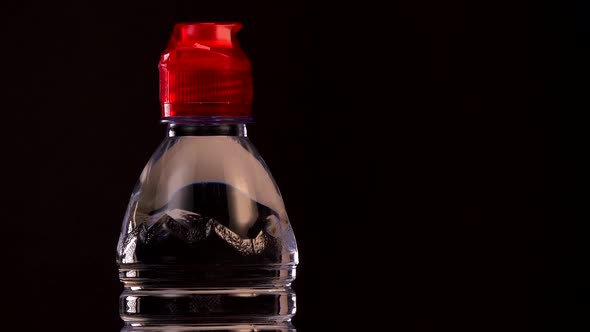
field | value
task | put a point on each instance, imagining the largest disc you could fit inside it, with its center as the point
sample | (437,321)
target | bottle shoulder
(229,160)
(204,192)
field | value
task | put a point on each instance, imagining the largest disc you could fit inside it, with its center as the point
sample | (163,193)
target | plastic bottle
(206,243)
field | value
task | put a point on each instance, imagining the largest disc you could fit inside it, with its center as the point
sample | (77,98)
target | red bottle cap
(205,73)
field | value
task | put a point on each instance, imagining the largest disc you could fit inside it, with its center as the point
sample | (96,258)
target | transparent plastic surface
(206,242)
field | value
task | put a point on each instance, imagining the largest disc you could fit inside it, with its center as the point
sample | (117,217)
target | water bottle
(206,244)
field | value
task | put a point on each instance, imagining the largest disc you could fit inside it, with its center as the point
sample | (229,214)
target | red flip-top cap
(204,73)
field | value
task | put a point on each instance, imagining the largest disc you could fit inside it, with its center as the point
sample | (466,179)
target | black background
(408,143)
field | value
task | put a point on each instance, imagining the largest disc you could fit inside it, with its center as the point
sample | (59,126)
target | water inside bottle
(216,255)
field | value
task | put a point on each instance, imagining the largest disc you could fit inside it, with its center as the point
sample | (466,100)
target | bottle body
(206,241)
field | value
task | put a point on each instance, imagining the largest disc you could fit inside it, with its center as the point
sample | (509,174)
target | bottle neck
(206,129)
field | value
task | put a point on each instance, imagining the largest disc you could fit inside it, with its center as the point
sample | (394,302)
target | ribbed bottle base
(285,327)
(180,299)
